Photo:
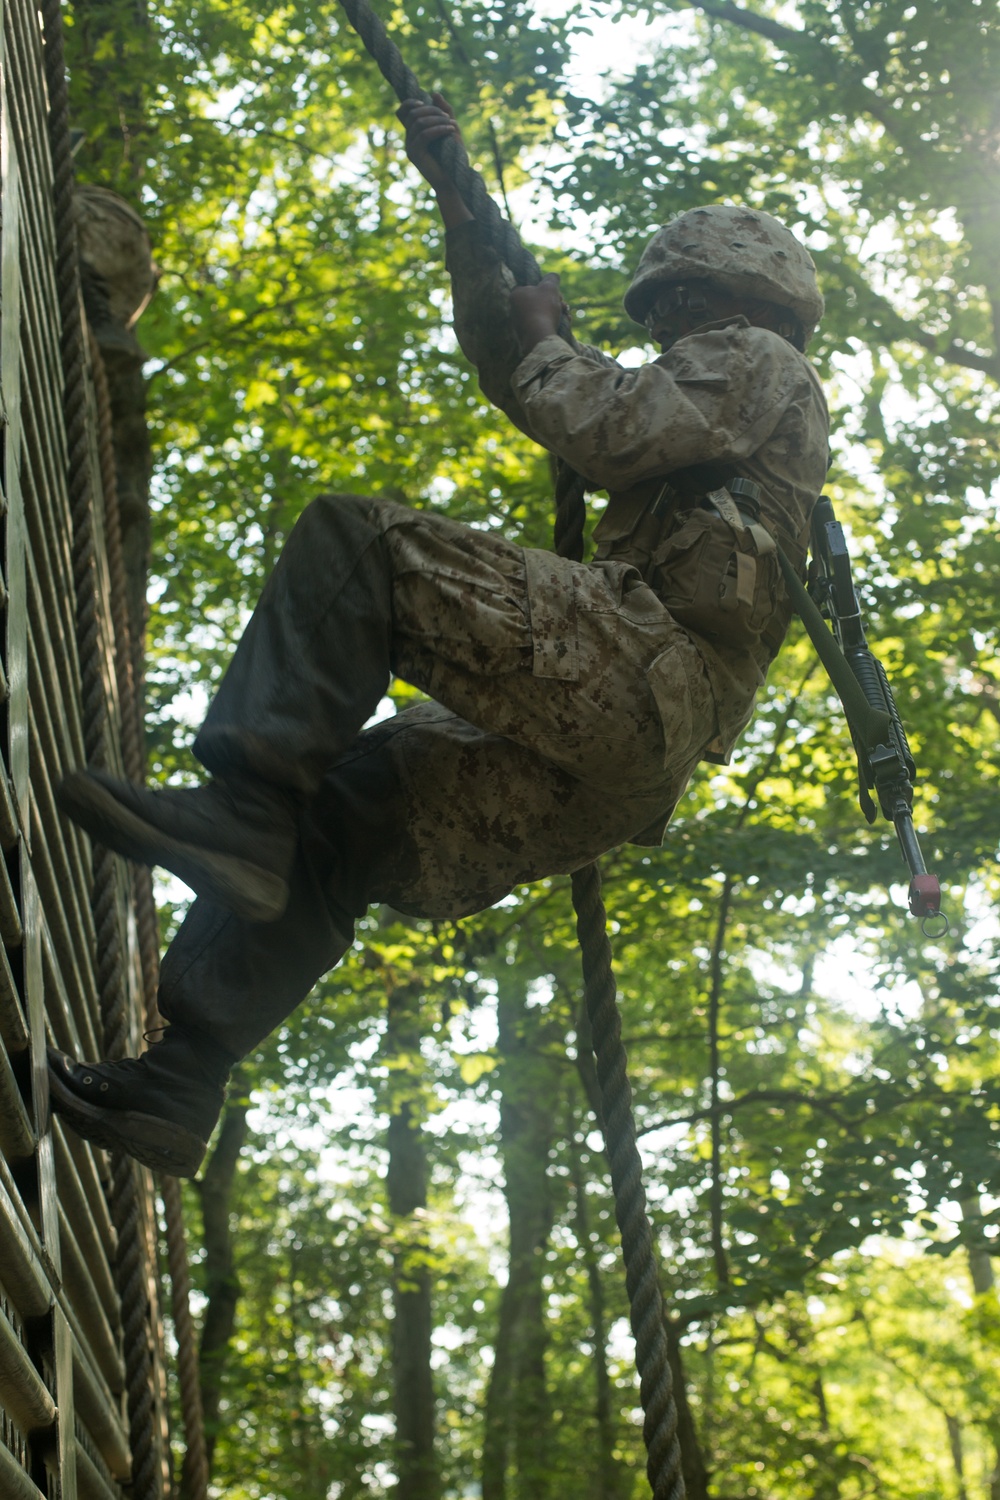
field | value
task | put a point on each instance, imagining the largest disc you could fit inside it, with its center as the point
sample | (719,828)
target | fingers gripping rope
(570,486)
(656,1383)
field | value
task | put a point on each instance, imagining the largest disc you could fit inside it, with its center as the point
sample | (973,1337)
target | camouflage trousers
(569,711)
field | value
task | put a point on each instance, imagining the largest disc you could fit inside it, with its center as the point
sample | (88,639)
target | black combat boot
(160,1108)
(232,839)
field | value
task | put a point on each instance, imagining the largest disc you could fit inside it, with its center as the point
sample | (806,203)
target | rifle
(885,762)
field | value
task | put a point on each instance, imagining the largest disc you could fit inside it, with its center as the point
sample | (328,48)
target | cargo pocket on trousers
(552,608)
(671,688)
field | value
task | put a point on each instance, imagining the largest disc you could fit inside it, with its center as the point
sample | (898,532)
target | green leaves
(300,342)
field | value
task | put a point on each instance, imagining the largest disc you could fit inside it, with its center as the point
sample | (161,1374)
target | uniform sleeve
(481,286)
(716,396)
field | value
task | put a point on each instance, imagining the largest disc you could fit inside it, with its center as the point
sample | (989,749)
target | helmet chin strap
(682,306)
(675,300)
(679,309)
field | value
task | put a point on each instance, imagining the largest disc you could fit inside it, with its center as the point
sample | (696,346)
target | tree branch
(747,20)
(849,73)
(955,354)
(826,1103)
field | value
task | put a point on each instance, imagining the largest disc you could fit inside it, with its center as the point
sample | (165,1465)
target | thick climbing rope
(127,669)
(128,673)
(642,1282)
(570,487)
(131,1268)
(663,1465)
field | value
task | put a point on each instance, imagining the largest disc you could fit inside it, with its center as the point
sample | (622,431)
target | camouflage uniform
(570,707)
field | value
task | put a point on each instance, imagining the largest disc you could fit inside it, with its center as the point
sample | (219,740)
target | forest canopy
(816,1080)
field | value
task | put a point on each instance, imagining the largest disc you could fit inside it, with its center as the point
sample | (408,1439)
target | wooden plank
(15,1482)
(43,434)
(24,1264)
(41,364)
(49,494)
(76,846)
(54,761)
(43,486)
(67,851)
(10,289)
(11,930)
(91,1483)
(41,302)
(13,1026)
(73,964)
(10,380)
(91,1167)
(63,707)
(116,1383)
(82,1293)
(24,1392)
(79,1212)
(61,1019)
(21,1265)
(53,624)
(28,114)
(100,1413)
(12,1202)
(10,821)
(34,992)
(64,850)
(45,507)
(17,1135)
(62,1340)
(48,522)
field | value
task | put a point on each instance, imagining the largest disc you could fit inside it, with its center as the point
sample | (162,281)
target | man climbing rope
(571,702)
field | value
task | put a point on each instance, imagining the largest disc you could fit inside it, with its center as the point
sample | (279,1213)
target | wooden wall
(63,1420)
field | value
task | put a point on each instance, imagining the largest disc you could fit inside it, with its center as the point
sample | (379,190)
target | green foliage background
(826,1233)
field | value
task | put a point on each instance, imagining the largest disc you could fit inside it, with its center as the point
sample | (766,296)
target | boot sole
(156,1143)
(248,890)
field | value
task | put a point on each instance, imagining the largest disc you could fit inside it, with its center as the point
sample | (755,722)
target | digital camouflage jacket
(727,399)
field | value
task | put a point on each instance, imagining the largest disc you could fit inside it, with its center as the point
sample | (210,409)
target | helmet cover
(742,249)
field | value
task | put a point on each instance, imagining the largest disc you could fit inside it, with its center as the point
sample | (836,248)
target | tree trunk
(692,1461)
(957,1455)
(417,1472)
(518,1443)
(222,1285)
(609,1478)
(983,1282)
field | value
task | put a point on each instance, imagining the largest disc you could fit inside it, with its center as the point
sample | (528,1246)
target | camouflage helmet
(742,249)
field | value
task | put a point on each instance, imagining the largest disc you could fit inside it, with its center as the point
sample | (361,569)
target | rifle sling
(869,725)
